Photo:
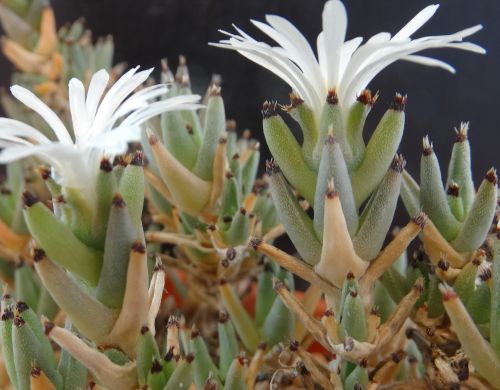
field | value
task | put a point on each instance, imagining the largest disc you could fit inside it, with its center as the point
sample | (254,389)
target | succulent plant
(138,241)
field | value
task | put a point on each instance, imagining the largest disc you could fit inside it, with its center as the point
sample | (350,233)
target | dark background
(145,31)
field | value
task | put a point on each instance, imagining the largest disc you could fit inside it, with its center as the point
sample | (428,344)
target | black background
(145,31)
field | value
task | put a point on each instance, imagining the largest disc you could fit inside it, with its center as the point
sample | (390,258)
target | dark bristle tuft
(350,275)
(189,357)
(295,101)
(398,163)
(269,109)
(44,173)
(255,243)
(453,190)
(139,247)
(491,176)
(443,265)
(330,140)
(223,317)
(420,219)
(38,254)
(105,165)
(366,98)
(294,345)
(47,327)
(461,134)
(427,148)
(118,201)
(271,167)
(156,366)
(144,329)
(138,158)
(331,97)
(35,372)
(29,199)
(399,102)
(22,306)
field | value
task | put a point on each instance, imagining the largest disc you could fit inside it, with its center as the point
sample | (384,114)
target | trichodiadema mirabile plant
(137,238)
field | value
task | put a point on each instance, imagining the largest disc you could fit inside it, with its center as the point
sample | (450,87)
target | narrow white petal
(182,102)
(115,97)
(140,99)
(280,65)
(97,86)
(29,99)
(334,29)
(12,127)
(428,61)
(78,109)
(296,45)
(418,21)
(348,48)
(320,46)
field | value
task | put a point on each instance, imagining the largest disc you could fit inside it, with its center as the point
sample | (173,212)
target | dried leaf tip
(448,292)
(255,243)
(156,367)
(189,357)
(194,332)
(272,167)
(153,138)
(332,97)
(398,163)
(138,158)
(278,285)
(491,176)
(462,133)
(7,314)
(295,101)
(223,317)
(210,384)
(35,372)
(138,247)
(427,147)
(330,140)
(44,172)
(366,98)
(485,274)
(294,345)
(443,265)
(269,109)
(29,199)
(453,189)
(330,190)
(47,327)
(420,219)
(38,254)
(396,357)
(21,307)
(399,102)
(118,201)
(214,90)
(105,165)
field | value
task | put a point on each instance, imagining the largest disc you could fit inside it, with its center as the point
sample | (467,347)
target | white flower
(103,123)
(346,66)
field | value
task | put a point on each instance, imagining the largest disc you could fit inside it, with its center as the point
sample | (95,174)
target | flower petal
(334,29)
(13,127)
(29,99)
(78,109)
(97,86)
(416,22)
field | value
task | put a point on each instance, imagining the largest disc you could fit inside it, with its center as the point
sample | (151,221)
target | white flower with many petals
(103,123)
(346,66)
